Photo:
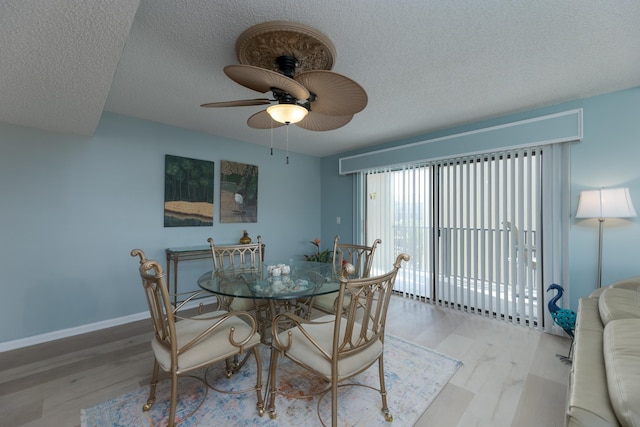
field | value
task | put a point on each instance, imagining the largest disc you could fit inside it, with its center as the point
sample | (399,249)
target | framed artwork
(188,192)
(238,192)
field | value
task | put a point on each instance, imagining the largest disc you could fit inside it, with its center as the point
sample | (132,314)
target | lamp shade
(605,203)
(287,113)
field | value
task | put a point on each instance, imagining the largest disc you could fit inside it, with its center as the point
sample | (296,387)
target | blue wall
(73,208)
(608,156)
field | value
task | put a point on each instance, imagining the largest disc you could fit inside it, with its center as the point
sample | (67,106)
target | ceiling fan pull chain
(287,143)
(271,136)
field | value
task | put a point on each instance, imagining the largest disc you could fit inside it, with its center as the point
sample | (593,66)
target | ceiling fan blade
(262,120)
(263,80)
(336,94)
(320,122)
(239,103)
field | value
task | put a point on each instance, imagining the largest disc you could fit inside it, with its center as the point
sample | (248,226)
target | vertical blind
(472,227)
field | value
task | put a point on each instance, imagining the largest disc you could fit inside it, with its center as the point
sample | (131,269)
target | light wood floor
(510,375)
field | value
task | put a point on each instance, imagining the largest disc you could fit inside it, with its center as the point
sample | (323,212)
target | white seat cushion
(327,302)
(214,347)
(244,304)
(304,352)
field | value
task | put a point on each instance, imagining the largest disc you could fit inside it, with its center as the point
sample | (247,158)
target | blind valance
(549,129)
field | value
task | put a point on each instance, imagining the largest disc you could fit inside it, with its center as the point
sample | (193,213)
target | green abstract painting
(188,192)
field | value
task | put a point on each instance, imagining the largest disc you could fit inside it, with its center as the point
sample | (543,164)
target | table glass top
(200,248)
(304,279)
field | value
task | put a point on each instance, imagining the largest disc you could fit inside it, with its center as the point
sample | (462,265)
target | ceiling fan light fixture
(287,113)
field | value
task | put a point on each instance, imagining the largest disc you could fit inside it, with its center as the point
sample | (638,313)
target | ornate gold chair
(231,261)
(183,344)
(360,256)
(237,257)
(336,346)
(232,265)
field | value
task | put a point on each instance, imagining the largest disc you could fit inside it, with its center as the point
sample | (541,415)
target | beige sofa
(604,389)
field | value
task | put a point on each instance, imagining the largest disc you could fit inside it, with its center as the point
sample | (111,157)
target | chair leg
(334,399)
(229,366)
(260,404)
(383,390)
(272,383)
(174,399)
(152,386)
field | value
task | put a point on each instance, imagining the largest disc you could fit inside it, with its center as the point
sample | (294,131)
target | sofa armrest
(589,403)
(622,360)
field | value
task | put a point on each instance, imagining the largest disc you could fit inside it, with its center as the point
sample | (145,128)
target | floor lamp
(601,204)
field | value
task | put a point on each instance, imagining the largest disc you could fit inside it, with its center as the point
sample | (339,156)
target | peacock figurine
(563,317)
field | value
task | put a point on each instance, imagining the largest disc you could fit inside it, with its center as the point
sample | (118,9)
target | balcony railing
(477,268)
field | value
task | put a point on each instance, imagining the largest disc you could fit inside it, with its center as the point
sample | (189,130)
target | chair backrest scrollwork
(158,299)
(363,322)
(241,257)
(360,256)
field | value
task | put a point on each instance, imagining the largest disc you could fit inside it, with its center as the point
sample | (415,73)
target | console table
(186,253)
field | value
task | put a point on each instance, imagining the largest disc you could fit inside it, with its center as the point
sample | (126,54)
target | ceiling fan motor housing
(283,97)
(287,65)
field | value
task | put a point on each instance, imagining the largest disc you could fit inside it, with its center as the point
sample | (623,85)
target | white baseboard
(91,327)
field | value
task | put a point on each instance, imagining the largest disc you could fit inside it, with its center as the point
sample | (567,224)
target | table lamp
(601,204)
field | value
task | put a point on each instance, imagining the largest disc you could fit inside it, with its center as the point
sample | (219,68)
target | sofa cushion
(588,403)
(628,283)
(622,360)
(597,293)
(618,303)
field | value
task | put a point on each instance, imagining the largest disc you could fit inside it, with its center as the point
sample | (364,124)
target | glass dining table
(273,288)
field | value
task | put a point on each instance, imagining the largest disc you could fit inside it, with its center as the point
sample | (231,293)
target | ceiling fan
(293,62)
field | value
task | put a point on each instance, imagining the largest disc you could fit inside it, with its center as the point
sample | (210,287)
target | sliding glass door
(470,225)
(399,212)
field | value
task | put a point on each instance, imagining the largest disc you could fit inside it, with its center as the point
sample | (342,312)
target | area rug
(414,376)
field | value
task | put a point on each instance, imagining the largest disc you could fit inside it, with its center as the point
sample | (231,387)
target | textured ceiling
(425,64)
